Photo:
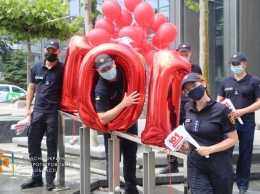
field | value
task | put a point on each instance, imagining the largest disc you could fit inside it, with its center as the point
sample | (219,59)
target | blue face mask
(109,75)
(197,93)
(237,69)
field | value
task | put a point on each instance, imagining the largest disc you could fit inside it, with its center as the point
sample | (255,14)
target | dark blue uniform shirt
(208,125)
(242,93)
(48,86)
(109,94)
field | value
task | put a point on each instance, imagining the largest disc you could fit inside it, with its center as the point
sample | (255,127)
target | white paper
(21,126)
(177,137)
(227,102)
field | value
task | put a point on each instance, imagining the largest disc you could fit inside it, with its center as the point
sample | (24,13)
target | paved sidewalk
(11,184)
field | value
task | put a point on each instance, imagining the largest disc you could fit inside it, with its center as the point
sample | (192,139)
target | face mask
(50,57)
(109,75)
(197,93)
(187,59)
(237,69)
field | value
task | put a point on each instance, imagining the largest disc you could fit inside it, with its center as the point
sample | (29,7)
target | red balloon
(142,33)
(167,32)
(134,72)
(149,58)
(105,24)
(163,108)
(98,36)
(143,14)
(77,49)
(111,9)
(125,19)
(158,44)
(158,20)
(147,47)
(131,4)
(116,33)
(131,32)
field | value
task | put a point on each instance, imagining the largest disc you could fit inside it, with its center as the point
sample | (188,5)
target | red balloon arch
(167,69)
(134,72)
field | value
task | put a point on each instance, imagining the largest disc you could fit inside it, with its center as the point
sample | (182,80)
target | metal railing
(113,160)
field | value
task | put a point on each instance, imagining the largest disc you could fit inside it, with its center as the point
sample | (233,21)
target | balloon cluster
(118,23)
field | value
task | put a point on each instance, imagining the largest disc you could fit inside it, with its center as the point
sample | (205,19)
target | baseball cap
(184,47)
(191,77)
(102,61)
(237,57)
(52,44)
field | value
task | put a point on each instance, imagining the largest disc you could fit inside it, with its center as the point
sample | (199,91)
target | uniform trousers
(128,149)
(246,139)
(42,123)
(213,175)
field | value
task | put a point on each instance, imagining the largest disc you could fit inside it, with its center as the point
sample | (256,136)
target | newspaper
(227,102)
(177,137)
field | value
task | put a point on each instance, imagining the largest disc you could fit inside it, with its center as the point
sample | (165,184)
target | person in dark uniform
(207,121)
(46,83)
(185,51)
(110,101)
(243,91)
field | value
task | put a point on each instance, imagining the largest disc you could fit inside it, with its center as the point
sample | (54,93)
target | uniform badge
(97,98)
(231,118)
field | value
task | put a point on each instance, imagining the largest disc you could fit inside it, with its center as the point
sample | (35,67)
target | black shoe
(169,169)
(131,192)
(32,183)
(50,186)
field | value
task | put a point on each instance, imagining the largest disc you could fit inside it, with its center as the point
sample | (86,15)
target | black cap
(52,44)
(191,77)
(184,47)
(102,61)
(237,57)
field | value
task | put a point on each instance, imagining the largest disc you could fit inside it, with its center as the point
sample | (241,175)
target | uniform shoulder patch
(231,118)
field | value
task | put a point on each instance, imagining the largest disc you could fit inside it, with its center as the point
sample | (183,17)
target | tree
(5,51)
(202,6)
(15,69)
(37,19)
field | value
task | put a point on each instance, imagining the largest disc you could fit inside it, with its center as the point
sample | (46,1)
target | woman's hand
(184,148)
(204,151)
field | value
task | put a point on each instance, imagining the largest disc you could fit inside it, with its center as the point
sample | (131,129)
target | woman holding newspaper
(207,121)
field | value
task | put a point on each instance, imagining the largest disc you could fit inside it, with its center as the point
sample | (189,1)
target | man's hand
(131,99)
(238,113)
(27,113)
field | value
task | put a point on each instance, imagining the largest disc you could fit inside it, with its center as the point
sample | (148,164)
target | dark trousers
(210,175)
(128,149)
(246,139)
(43,123)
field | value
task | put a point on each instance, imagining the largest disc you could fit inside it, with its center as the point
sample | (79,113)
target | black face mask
(50,57)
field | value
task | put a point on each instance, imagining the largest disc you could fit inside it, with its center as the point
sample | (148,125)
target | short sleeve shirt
(109,94)
(48,86)
(242,93)
(208,125)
